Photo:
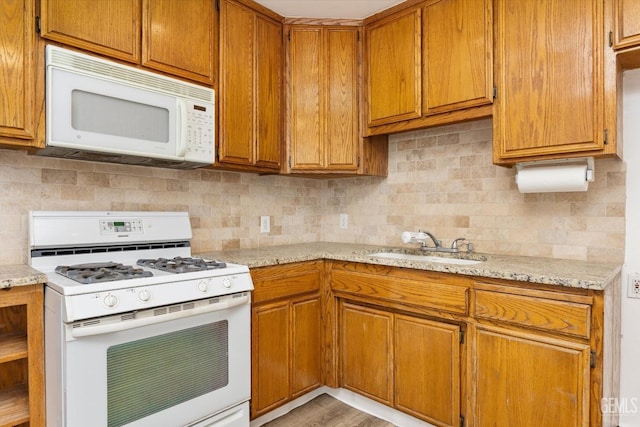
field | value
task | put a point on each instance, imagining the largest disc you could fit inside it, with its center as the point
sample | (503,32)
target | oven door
(171,373)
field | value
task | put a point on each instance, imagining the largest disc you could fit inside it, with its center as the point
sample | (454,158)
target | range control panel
(121,226)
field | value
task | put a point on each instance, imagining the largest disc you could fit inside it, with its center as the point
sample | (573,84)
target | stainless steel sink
(425,258)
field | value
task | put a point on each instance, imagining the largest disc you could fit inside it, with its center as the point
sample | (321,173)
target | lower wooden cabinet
(529,380)
(287,355)
(406,362)
(366,360)
(21,357)
(448,349)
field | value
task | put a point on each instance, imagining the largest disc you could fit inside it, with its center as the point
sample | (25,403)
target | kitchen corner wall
(441,180)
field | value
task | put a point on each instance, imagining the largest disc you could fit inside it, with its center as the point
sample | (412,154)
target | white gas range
(138,332)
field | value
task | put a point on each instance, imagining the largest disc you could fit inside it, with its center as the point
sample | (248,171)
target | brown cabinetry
(515,372)
(543,79)
(287,356)
(21,357)
(21,82)
(178,38)
(429,65)
(445,348)
(322,116)
(250,91)
(552,342)
(626,14)
(394,68)
(391,351)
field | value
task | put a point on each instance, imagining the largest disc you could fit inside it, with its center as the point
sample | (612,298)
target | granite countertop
(19,275)
(548,271)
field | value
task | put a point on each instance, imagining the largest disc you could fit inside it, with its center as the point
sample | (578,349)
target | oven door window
(150,375)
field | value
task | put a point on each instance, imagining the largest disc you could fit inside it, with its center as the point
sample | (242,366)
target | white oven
(165,373)
(137,332)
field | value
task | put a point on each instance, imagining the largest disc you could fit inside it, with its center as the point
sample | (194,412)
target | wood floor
(326,411)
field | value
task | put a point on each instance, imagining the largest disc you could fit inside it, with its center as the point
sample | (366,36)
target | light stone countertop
(548,271)
(19,275)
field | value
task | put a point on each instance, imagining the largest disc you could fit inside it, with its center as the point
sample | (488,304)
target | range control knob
(110,300)
(144,295)
(203,285)
(226,282)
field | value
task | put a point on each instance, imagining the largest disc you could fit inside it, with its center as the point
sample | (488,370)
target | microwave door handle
(181,146)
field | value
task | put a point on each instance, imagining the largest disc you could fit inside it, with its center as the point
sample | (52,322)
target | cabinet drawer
(285,280)
(552,315)
(427,293)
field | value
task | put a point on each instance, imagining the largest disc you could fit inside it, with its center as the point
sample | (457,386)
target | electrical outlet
(344,221)
(634,285)
(265,224)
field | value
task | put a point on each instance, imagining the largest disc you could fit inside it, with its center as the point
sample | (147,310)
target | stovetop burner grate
(181,265)
(101,272)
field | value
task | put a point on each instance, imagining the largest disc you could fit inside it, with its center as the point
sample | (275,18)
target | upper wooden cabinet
(428,65)
(554,81)
(457,67)
(323,99)
(394,68)
(21,82)
(178,38)
(250,91)
(626,15)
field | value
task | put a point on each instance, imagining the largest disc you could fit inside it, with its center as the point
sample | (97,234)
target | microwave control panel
(200,133)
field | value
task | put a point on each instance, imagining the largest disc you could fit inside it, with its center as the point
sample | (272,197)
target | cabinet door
(306,354)
(270,357)
(341,124)
(626,23)
(366,361)
(458,50)
(427,370)
(268,92)
(393,57)
(180,38)
(550,87)
(107,27)
(528,380)
(17,71)
(306,139)
(237,26)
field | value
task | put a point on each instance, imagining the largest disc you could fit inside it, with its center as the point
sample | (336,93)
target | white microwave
(104,111)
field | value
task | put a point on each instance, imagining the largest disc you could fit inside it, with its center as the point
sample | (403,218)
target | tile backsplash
(440,179)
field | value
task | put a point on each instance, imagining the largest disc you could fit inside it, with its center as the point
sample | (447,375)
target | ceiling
(343,9)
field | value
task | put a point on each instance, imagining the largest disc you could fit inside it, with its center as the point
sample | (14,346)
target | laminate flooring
(326,411)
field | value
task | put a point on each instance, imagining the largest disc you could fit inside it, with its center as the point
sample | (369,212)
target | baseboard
(362,403)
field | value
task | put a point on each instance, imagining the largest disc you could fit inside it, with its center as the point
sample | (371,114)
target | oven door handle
(152,319)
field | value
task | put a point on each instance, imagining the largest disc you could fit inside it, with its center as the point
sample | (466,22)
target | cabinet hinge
(461,337)
(289,35)
(495,92)
(358,33)
(610,38)
(289,162)
(38,28)
(461,420)
(606,136)
(358,161)
(592,359)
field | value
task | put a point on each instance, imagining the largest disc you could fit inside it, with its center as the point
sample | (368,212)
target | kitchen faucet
(422,237)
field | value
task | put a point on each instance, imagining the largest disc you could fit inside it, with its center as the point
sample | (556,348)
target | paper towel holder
(589,161)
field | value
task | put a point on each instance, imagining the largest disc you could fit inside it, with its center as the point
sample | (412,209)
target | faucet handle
(454,245)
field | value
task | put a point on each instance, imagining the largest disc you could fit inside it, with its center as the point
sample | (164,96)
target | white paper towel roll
(552,179)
